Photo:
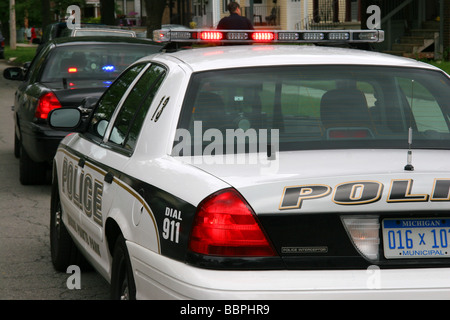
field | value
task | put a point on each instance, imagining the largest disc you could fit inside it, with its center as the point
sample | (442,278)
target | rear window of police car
(320,107)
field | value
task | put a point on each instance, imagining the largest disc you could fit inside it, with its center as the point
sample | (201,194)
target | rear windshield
(315,107)
(92,62)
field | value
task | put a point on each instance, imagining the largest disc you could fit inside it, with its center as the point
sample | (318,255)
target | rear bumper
(158,277)
(41,142)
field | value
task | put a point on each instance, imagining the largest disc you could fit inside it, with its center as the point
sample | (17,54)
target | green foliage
(444,65)
(91,20)
(33,10)
(4,13)
(22,54)
(60,6)
(30,9)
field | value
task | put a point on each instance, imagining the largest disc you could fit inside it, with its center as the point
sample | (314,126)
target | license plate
(416,238)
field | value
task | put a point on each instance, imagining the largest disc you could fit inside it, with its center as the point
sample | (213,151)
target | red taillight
(211,35)
(47,102)
(226,226)
(349,134)
(72,70)
(263,36)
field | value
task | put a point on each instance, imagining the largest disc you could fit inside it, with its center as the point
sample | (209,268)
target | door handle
(109,177)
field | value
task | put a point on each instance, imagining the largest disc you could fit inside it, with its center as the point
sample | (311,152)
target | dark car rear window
(94,62)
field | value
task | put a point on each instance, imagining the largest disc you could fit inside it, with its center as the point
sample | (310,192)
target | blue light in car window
(109,68)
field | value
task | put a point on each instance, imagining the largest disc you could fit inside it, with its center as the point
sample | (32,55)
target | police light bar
(268,36)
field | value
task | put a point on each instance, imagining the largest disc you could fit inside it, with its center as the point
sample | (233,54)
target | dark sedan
(63,74)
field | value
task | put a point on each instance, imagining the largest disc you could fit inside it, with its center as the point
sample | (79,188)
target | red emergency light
(263,36)
(211,35)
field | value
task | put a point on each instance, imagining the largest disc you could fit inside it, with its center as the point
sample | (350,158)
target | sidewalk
(6,63)
(3,64)
(27,45)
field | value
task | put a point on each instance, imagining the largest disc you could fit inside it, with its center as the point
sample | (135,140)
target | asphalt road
(26,271)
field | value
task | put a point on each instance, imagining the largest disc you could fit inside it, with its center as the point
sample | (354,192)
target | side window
(109,101)
(134,110)
(35,68)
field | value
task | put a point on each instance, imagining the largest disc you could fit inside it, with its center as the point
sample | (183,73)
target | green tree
(31,10)
(155,10)
(45,13)
(107,12)
(4,18)
(60,6)
(24,8)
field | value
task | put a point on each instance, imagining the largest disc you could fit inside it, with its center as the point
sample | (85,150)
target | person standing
(234,21)
(28,33)
(33,34)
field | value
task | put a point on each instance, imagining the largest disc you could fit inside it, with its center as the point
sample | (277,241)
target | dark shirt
(235,22)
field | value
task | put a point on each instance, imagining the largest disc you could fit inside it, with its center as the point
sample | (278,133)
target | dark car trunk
(72,92)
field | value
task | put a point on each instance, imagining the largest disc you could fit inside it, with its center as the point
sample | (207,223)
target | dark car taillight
(225,225)
(47,102)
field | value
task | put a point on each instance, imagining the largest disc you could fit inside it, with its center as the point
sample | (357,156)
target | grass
(21,54)
(444,65)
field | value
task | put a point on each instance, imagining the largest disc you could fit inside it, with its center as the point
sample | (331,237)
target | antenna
(409,166)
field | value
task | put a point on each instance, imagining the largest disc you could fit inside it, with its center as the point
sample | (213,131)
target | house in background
(92,9)
(417,28)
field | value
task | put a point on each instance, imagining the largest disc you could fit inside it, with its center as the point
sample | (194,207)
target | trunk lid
(302,199)
(363,171)
(72,92)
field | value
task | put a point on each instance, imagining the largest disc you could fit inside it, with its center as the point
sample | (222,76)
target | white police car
(260,172)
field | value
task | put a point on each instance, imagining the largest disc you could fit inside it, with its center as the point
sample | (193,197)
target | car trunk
(72,92)
(314,205)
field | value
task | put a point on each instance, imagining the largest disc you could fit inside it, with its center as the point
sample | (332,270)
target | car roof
(98,28)
(103,39)
(223,57)
(103,31)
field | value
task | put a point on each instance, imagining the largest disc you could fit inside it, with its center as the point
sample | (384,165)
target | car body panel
(294,168)
(268,55)
(161,278)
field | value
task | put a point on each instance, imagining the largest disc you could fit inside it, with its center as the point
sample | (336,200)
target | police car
(260,171)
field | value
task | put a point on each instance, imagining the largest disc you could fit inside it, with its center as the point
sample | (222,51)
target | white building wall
(294,14)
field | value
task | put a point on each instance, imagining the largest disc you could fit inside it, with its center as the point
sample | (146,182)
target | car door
(128,203)
(108,145)
(85,172)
